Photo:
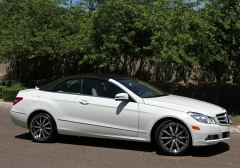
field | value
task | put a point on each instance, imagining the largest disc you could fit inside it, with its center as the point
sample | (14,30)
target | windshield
(142,89)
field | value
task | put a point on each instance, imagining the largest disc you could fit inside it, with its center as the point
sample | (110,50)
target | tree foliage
(40,33)
(156,39)
(120,35)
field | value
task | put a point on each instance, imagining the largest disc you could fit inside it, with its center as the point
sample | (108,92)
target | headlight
(200,117)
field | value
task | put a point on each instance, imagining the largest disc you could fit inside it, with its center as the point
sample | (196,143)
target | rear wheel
(42,128)
(173,138)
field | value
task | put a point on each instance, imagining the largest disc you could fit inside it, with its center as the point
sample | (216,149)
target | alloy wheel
(41,127)
(174,137)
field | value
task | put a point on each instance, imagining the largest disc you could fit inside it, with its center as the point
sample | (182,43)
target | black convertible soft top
(50,86)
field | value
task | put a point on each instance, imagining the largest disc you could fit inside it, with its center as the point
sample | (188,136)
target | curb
(5,104)
(235,129)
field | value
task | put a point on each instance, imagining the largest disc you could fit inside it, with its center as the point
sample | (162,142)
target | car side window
(100,88)
(70,86)
(113,90)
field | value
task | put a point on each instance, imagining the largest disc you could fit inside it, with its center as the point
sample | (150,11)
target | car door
(97,112)
(62,99)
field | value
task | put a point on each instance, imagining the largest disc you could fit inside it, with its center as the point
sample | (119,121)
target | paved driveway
(18,150)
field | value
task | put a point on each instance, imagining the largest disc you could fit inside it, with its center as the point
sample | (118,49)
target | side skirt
(104,136)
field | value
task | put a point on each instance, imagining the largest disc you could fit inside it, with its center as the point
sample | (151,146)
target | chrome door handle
(84,102)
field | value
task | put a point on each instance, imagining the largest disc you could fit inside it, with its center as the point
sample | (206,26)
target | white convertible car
(119,107)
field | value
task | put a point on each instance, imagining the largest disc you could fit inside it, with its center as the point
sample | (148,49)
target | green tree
(223,16)
(120,36)
(43,33)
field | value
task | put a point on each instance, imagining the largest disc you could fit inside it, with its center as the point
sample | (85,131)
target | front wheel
(173,138)
(42,128)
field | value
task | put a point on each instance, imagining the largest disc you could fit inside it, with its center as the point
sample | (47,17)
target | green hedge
(1,87)
(9,94)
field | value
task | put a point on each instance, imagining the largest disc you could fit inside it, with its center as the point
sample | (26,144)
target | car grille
(223,118)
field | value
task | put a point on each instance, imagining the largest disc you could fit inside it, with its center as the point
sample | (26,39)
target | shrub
(2,82)
(9,83)
(1,87)
(16,84)
(9,94)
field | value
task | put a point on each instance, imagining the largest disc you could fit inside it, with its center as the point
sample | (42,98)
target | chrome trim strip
(18,112)
(142,132)
(77,94)
(101,126)
(80,94)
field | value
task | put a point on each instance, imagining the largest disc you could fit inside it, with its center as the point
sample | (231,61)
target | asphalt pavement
(18,150)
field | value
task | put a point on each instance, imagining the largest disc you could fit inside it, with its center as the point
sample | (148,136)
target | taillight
(17,99)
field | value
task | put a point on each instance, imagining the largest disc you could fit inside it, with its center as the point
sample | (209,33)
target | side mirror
(122,97)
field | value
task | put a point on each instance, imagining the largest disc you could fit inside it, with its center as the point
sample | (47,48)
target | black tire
(173,138)
(43,128)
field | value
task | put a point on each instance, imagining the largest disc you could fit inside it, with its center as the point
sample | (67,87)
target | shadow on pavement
(97,142)
(107,143)
(204,151)
(212,150)
(25,136)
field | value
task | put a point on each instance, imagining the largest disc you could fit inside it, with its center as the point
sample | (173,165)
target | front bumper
(201,137)
(217,138)
(208,134)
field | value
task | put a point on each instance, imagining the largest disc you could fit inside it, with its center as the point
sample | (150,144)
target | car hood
(184,104)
